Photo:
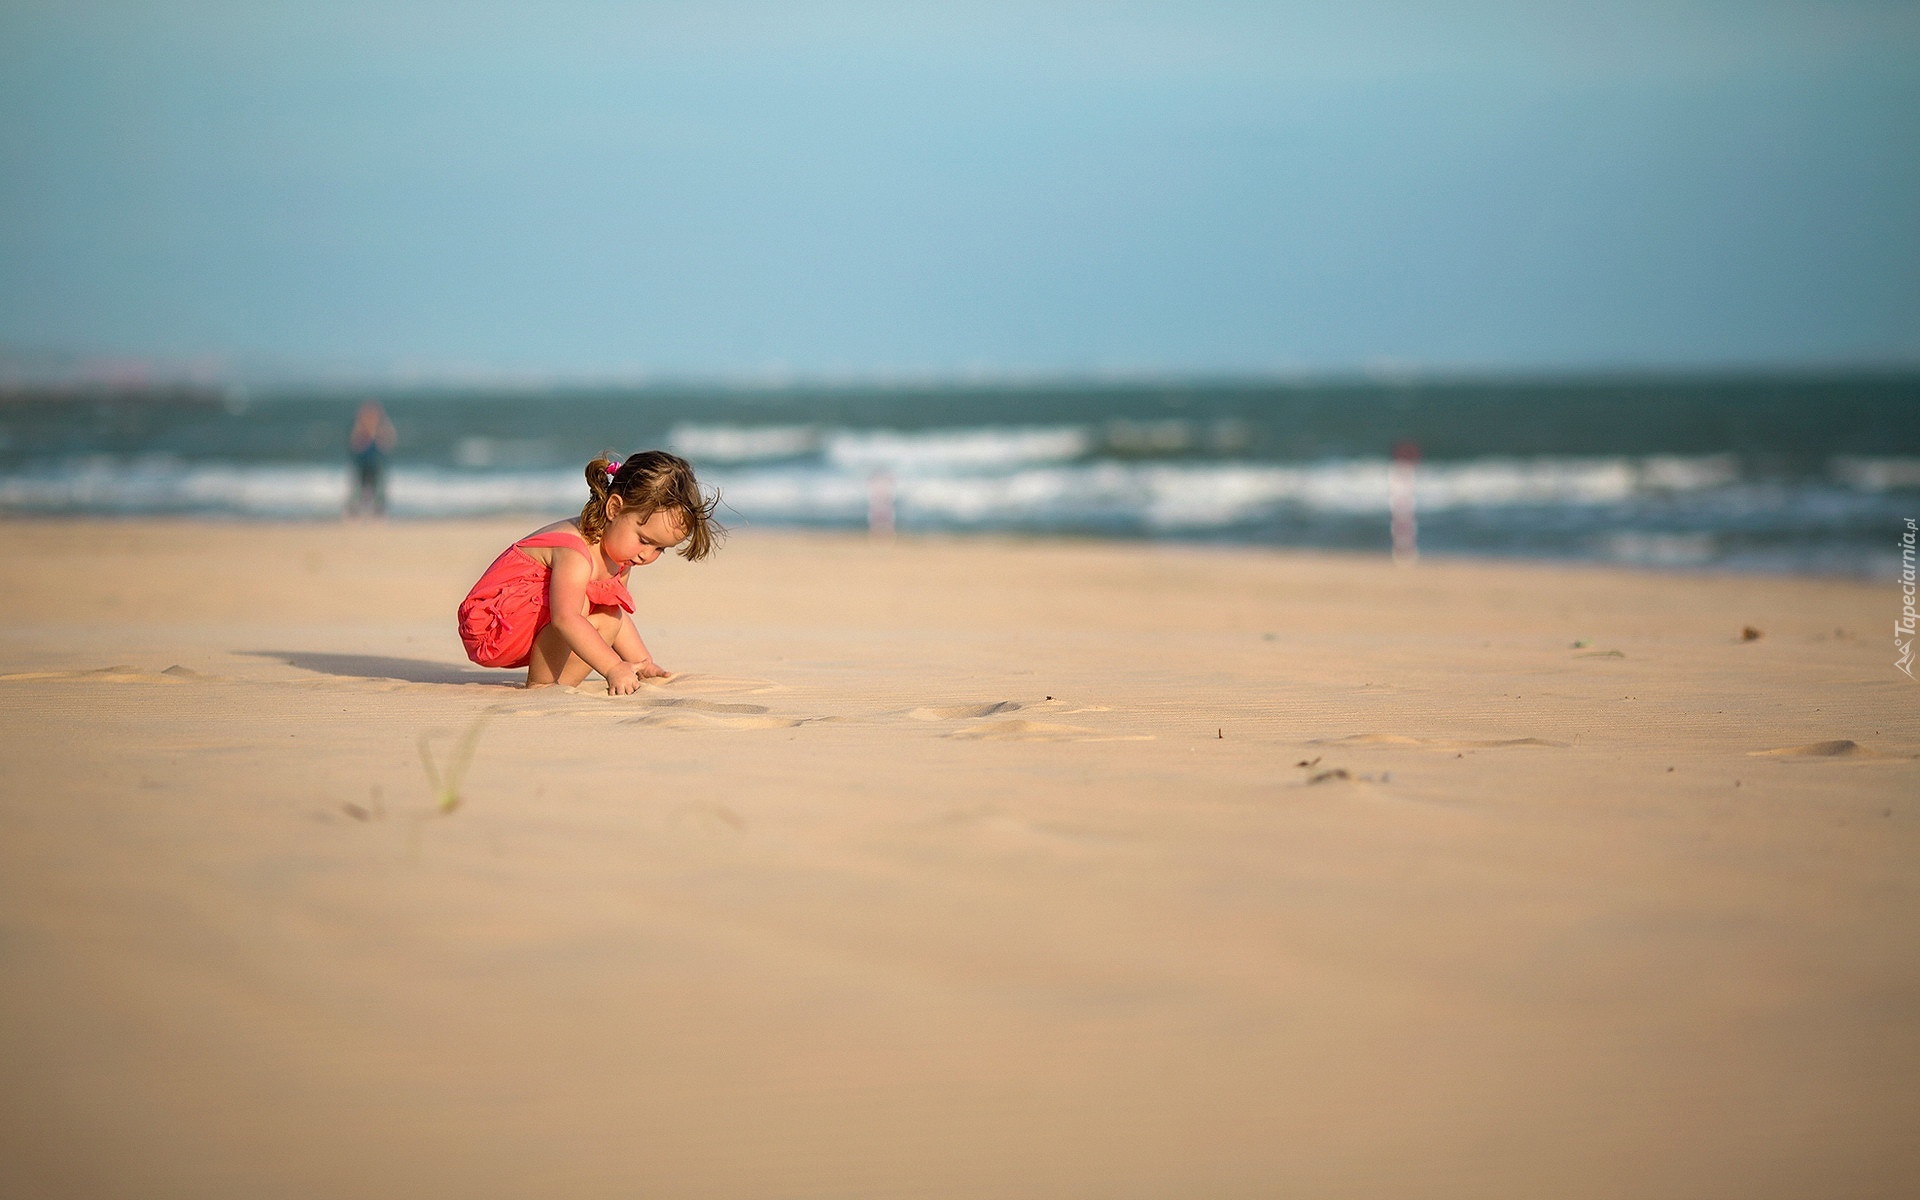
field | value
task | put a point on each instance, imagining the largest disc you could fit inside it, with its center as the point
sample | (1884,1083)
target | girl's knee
(605,622)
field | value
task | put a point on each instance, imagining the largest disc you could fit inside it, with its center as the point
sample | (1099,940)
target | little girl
(556,602)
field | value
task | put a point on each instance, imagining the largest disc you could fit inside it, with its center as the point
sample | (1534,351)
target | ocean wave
(930,485)
(1200,496)
(277,490)
(743,443)
(974,449)
(1174,496)
(959,449)
(954,450)
(1877,474)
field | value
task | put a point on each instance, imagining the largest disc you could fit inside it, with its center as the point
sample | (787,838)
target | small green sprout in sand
(446,787)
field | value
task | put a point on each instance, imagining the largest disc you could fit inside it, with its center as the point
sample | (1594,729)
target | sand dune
(950,868)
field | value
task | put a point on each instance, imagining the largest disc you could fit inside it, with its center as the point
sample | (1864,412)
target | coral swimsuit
(508,608)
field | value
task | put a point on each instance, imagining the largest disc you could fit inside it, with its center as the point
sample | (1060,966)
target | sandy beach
(950,868)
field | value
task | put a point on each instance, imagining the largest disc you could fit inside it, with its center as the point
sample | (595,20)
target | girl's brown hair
(652,480)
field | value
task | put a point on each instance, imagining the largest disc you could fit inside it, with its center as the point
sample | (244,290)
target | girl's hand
(650,669)
(622,681)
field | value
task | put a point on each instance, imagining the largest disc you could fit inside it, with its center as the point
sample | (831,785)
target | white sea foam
(955,449)
(976,449)
(278,490)
(426,492)
(1877,474)
(1201,496)
(1004,478)
(742,443)
(162,485)
(800,495)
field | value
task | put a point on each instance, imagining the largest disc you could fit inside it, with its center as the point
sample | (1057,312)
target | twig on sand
(446,787)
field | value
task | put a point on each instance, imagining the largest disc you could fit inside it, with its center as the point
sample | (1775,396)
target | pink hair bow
(613,468)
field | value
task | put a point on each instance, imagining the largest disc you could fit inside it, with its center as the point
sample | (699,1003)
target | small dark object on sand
(1750,634)
(355,811)
(1308,762)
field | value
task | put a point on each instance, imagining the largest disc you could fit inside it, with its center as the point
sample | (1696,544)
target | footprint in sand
(121,674)
(1019,729)
(963,712)
(1395,739)
(1837,748)
(691,704)
(676,689)
(691,683)
(992,708)
(657,708)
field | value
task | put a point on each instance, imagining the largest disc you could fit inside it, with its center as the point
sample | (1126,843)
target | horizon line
(133,375)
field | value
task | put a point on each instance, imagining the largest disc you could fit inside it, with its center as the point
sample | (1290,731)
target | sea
(1810,474)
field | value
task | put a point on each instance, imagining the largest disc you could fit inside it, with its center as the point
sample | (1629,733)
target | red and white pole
(1406,531)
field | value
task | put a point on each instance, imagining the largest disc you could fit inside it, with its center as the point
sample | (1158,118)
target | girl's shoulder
(545,535)
(539,544)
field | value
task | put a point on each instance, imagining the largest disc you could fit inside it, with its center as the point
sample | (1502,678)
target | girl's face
(630,541)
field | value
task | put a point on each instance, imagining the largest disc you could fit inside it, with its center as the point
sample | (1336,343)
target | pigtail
(600,475)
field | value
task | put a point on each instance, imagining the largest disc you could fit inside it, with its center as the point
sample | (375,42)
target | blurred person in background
(371,441)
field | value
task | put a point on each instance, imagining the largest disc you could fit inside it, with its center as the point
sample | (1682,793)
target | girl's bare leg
(554,661)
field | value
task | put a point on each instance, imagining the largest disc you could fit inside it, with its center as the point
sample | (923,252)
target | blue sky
(593,189)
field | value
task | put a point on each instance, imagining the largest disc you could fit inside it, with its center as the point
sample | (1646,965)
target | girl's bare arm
(567,606)
(631,647)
